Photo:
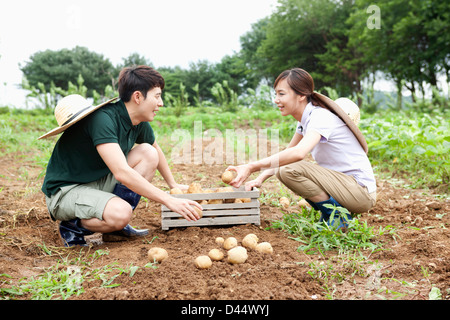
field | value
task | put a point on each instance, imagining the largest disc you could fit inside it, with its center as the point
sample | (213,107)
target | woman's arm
(266,174)
(297,150)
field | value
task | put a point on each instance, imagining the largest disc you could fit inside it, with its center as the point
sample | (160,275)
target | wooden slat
(254,203)
(253,211)
(168,223)
(217,214)
(237,193)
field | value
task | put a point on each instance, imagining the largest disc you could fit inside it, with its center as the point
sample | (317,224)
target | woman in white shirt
(342,175)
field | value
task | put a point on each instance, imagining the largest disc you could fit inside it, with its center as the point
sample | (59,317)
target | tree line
(342,43)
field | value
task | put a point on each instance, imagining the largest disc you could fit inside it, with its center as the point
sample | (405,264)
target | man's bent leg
(144,159)
(123,231)
(73,205)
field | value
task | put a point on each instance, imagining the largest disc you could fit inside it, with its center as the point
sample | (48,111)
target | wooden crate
(217,214)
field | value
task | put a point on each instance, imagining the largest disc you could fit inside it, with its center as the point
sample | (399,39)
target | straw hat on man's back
(70,110)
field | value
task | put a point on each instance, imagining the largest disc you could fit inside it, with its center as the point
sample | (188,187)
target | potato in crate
(222,206)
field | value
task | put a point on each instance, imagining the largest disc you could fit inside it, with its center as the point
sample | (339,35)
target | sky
(166,32)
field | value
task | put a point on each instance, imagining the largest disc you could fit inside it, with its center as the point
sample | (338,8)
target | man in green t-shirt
(106,159)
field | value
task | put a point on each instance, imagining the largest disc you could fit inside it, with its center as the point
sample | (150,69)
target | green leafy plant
(66,278)
(315,236)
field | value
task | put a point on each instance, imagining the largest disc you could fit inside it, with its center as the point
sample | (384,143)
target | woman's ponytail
(316,100)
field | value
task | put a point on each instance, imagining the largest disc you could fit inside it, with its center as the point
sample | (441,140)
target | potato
(264,247)
(303,203)
(157,254)
(215,201)
(176,191)
(244,200)
(200,212)
(224,189)
(215,254)
(237,255)
(250,241)
(229,243)
(285,203)
(220,240)
(195,187)
(227,177)
(238,201)
(252,235)
(203,262)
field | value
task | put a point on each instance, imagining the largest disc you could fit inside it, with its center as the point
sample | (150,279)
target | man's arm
(163,168)
(114,158)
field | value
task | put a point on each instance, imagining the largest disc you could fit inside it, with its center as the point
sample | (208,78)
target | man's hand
(185,207)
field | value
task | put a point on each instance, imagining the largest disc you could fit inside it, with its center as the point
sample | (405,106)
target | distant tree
(311,35)
(295,34)
(134,59)
(411,43)
(255,64)
(66,65)
(174,78)
(203,73)
(200,78)
(341,65)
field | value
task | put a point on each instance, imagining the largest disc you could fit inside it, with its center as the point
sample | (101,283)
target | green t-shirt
(75,159)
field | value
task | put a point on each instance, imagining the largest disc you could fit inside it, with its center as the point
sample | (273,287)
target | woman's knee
(359,207)
(296,179)
(291,173)
(284,174)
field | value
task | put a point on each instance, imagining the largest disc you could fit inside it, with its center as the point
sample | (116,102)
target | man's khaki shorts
(83,201)
(308,179)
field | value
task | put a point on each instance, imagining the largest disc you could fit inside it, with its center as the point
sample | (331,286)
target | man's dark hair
(138,78)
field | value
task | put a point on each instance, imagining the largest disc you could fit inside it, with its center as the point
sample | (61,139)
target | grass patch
(317,237)
(66,278)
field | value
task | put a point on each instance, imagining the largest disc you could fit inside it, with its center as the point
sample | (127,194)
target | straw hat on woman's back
(348,113)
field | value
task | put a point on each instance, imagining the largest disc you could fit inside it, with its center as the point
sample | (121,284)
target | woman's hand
(256,183)
(242,173)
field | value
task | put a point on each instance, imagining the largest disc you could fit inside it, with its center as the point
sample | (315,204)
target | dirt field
(412,262)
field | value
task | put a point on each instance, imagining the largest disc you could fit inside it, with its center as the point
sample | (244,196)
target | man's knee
(146,151)
(118,213)
(144,158)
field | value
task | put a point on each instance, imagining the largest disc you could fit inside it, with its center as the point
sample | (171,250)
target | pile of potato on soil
(235,253)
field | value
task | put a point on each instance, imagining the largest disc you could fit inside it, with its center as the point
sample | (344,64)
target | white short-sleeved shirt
(338,148)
